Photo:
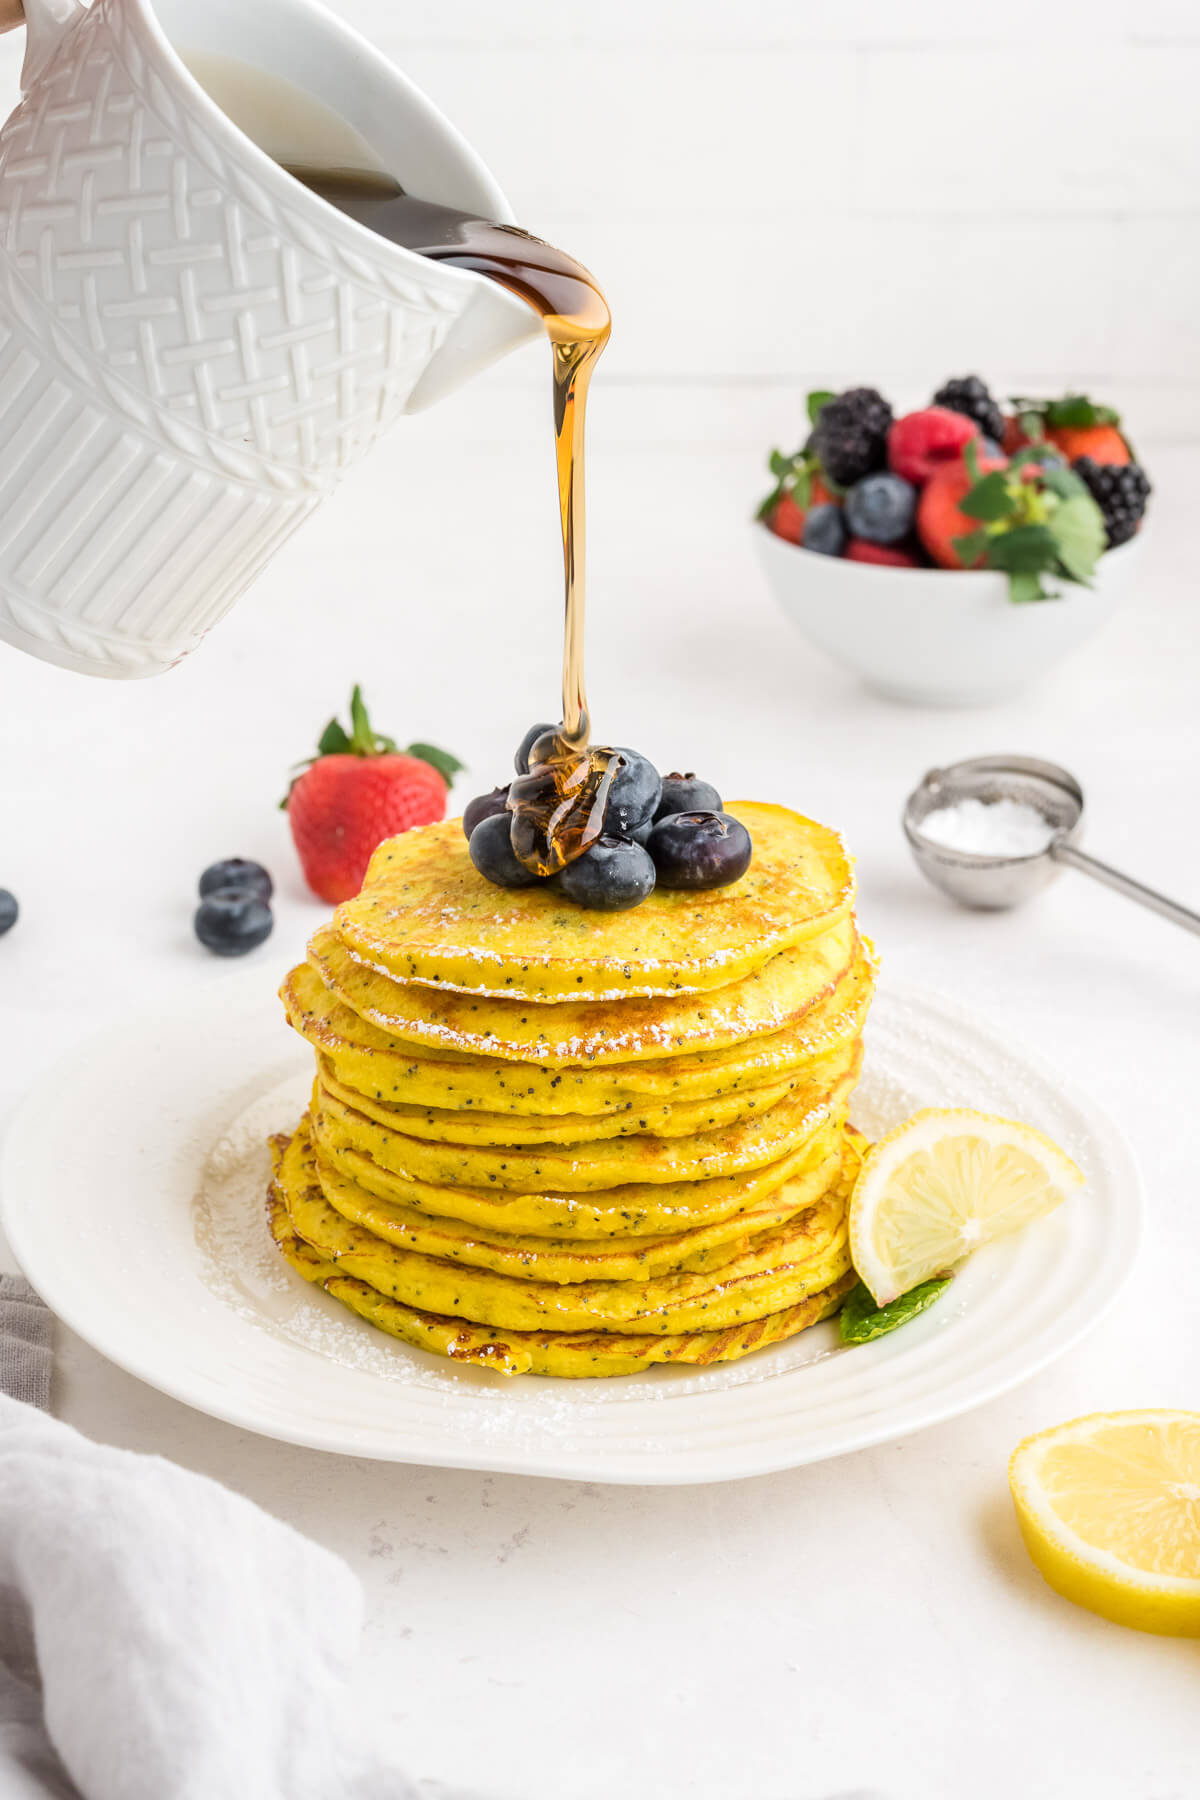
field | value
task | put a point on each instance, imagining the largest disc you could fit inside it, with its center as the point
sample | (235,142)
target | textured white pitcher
(193,348)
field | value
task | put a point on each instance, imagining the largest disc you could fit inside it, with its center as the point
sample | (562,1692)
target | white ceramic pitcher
(194,348)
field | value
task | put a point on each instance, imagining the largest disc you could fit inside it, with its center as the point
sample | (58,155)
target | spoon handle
(1125,884)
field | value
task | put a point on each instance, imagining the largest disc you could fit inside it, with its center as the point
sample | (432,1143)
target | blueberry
(8,911)
(825,530)
(683,793)
(880,508)
(236,872)
(609,877)
(493,855)
(699,850)
(521,759)
(633,794)
(230,921)
(484,806)
(989,447)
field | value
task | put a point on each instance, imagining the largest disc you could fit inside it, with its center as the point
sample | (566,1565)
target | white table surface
(869,1625)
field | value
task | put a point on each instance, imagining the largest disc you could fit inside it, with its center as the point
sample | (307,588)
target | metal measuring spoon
(994,882)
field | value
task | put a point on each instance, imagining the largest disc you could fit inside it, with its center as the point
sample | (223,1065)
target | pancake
(638,1209)
(572,1033)
(777,1268)
(570,1355)
(608,1163)
(426,915)
(492,1129)
(370,1061)
(554,1259)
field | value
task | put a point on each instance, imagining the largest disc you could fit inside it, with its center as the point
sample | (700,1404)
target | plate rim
(758,1447)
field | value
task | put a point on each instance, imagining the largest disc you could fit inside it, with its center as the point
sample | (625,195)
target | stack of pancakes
(578,1143)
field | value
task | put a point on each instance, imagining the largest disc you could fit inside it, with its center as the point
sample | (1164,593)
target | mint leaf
(1063,482)
(1024,588)
(816,400)
(1030,453)
(861,1320)
(971,458)
(1032,424)
(333,741)
(1077,526)
(989,499)
(1026,549)
(802,487)
(779,464)
(971,547)
(1078,410)
(446,765)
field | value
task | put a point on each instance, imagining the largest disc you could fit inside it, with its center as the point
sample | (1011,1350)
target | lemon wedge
(1109,1507)
(947,1181)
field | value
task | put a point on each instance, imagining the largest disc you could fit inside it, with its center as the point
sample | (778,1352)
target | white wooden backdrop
(780,193)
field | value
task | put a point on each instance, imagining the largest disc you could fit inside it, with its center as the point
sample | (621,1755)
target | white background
(893,194)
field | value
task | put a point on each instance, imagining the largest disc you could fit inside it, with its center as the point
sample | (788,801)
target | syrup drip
(559,807)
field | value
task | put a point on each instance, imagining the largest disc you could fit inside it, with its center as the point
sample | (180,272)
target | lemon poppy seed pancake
(424,916)
(603,1163)
(573,1032)
(564,1142)
(369,1060)
(559,1351)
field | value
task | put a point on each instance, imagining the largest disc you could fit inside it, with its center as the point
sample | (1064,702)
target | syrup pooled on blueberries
(559,807)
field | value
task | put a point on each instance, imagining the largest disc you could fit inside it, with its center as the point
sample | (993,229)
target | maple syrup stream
(559,806)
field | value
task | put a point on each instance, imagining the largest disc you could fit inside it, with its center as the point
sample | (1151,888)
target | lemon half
(941,1185)
(1109,1507)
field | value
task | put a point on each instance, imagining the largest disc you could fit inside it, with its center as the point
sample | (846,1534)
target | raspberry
(920,441)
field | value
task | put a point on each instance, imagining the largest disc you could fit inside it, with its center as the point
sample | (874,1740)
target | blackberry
(1120,490)
(851,435)
(968,395)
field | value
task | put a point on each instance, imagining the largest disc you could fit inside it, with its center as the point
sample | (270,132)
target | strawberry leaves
(795,474)
(1072,412)
(1033,522)
(363,740)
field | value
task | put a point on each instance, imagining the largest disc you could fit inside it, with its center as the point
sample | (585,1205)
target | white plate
(152,1245)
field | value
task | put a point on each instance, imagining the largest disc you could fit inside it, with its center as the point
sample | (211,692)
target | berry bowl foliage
(1036,511)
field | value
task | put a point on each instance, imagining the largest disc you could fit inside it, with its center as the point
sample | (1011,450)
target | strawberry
(891,555)
(786,519)
(939,520)
(1075,425)
(355,792)
(921,441)
(1103,443)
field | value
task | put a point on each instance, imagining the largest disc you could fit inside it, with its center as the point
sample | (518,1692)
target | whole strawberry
(357,791)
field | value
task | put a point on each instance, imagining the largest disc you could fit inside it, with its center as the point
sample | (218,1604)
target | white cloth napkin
(163,1639)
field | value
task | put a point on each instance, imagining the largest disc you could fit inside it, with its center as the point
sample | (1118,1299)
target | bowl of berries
(952,555)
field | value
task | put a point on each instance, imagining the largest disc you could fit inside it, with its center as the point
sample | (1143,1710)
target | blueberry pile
(666,831)
(234,914)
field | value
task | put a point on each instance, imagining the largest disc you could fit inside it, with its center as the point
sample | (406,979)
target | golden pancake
(571,1033)
(639,1209)
(492,1129)
(778,1268)
(551,1259)
(569,1355)
(426,915)
(370,1061)
(608,1163)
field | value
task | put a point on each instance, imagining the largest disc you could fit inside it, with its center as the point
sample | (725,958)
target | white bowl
(938,637)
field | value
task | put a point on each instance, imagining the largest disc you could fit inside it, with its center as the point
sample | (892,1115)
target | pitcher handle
(47,22)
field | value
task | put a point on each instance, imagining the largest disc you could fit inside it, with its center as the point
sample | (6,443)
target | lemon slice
(941,1185)
(1109,1507)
